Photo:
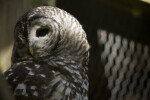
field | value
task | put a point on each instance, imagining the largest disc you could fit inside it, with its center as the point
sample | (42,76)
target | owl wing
(32,81)
(29,80)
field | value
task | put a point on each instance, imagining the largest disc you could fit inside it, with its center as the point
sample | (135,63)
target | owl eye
(41,32)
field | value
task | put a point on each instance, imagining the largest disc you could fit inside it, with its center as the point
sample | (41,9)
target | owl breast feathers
(50,57)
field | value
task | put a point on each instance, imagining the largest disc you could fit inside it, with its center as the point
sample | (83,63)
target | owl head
(49,32)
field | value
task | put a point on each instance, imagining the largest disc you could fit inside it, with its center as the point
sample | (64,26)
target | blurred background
(118,32)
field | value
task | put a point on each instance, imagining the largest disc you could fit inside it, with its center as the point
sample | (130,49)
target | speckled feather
(58,68)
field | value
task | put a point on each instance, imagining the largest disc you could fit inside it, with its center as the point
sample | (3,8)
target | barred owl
(50,57)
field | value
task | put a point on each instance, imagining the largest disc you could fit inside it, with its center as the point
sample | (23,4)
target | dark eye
(42,32)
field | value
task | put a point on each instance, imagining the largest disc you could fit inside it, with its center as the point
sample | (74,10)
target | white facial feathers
(62,30)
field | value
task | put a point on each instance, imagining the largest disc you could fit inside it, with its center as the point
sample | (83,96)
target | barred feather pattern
(57,69)
(59,79)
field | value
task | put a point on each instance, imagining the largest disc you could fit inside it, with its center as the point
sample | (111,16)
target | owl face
(42,36)
(49,31)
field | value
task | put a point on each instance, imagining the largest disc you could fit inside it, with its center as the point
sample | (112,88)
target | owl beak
(31,51)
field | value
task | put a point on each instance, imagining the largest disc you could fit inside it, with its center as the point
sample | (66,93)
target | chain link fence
(126,66)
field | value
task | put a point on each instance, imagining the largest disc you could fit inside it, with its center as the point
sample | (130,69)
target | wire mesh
(126,66)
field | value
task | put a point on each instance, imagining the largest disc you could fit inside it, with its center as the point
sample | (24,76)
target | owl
(50,57)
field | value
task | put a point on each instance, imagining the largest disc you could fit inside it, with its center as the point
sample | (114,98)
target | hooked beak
(31,51)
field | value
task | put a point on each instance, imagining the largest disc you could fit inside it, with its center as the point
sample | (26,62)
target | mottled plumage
(50,57)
